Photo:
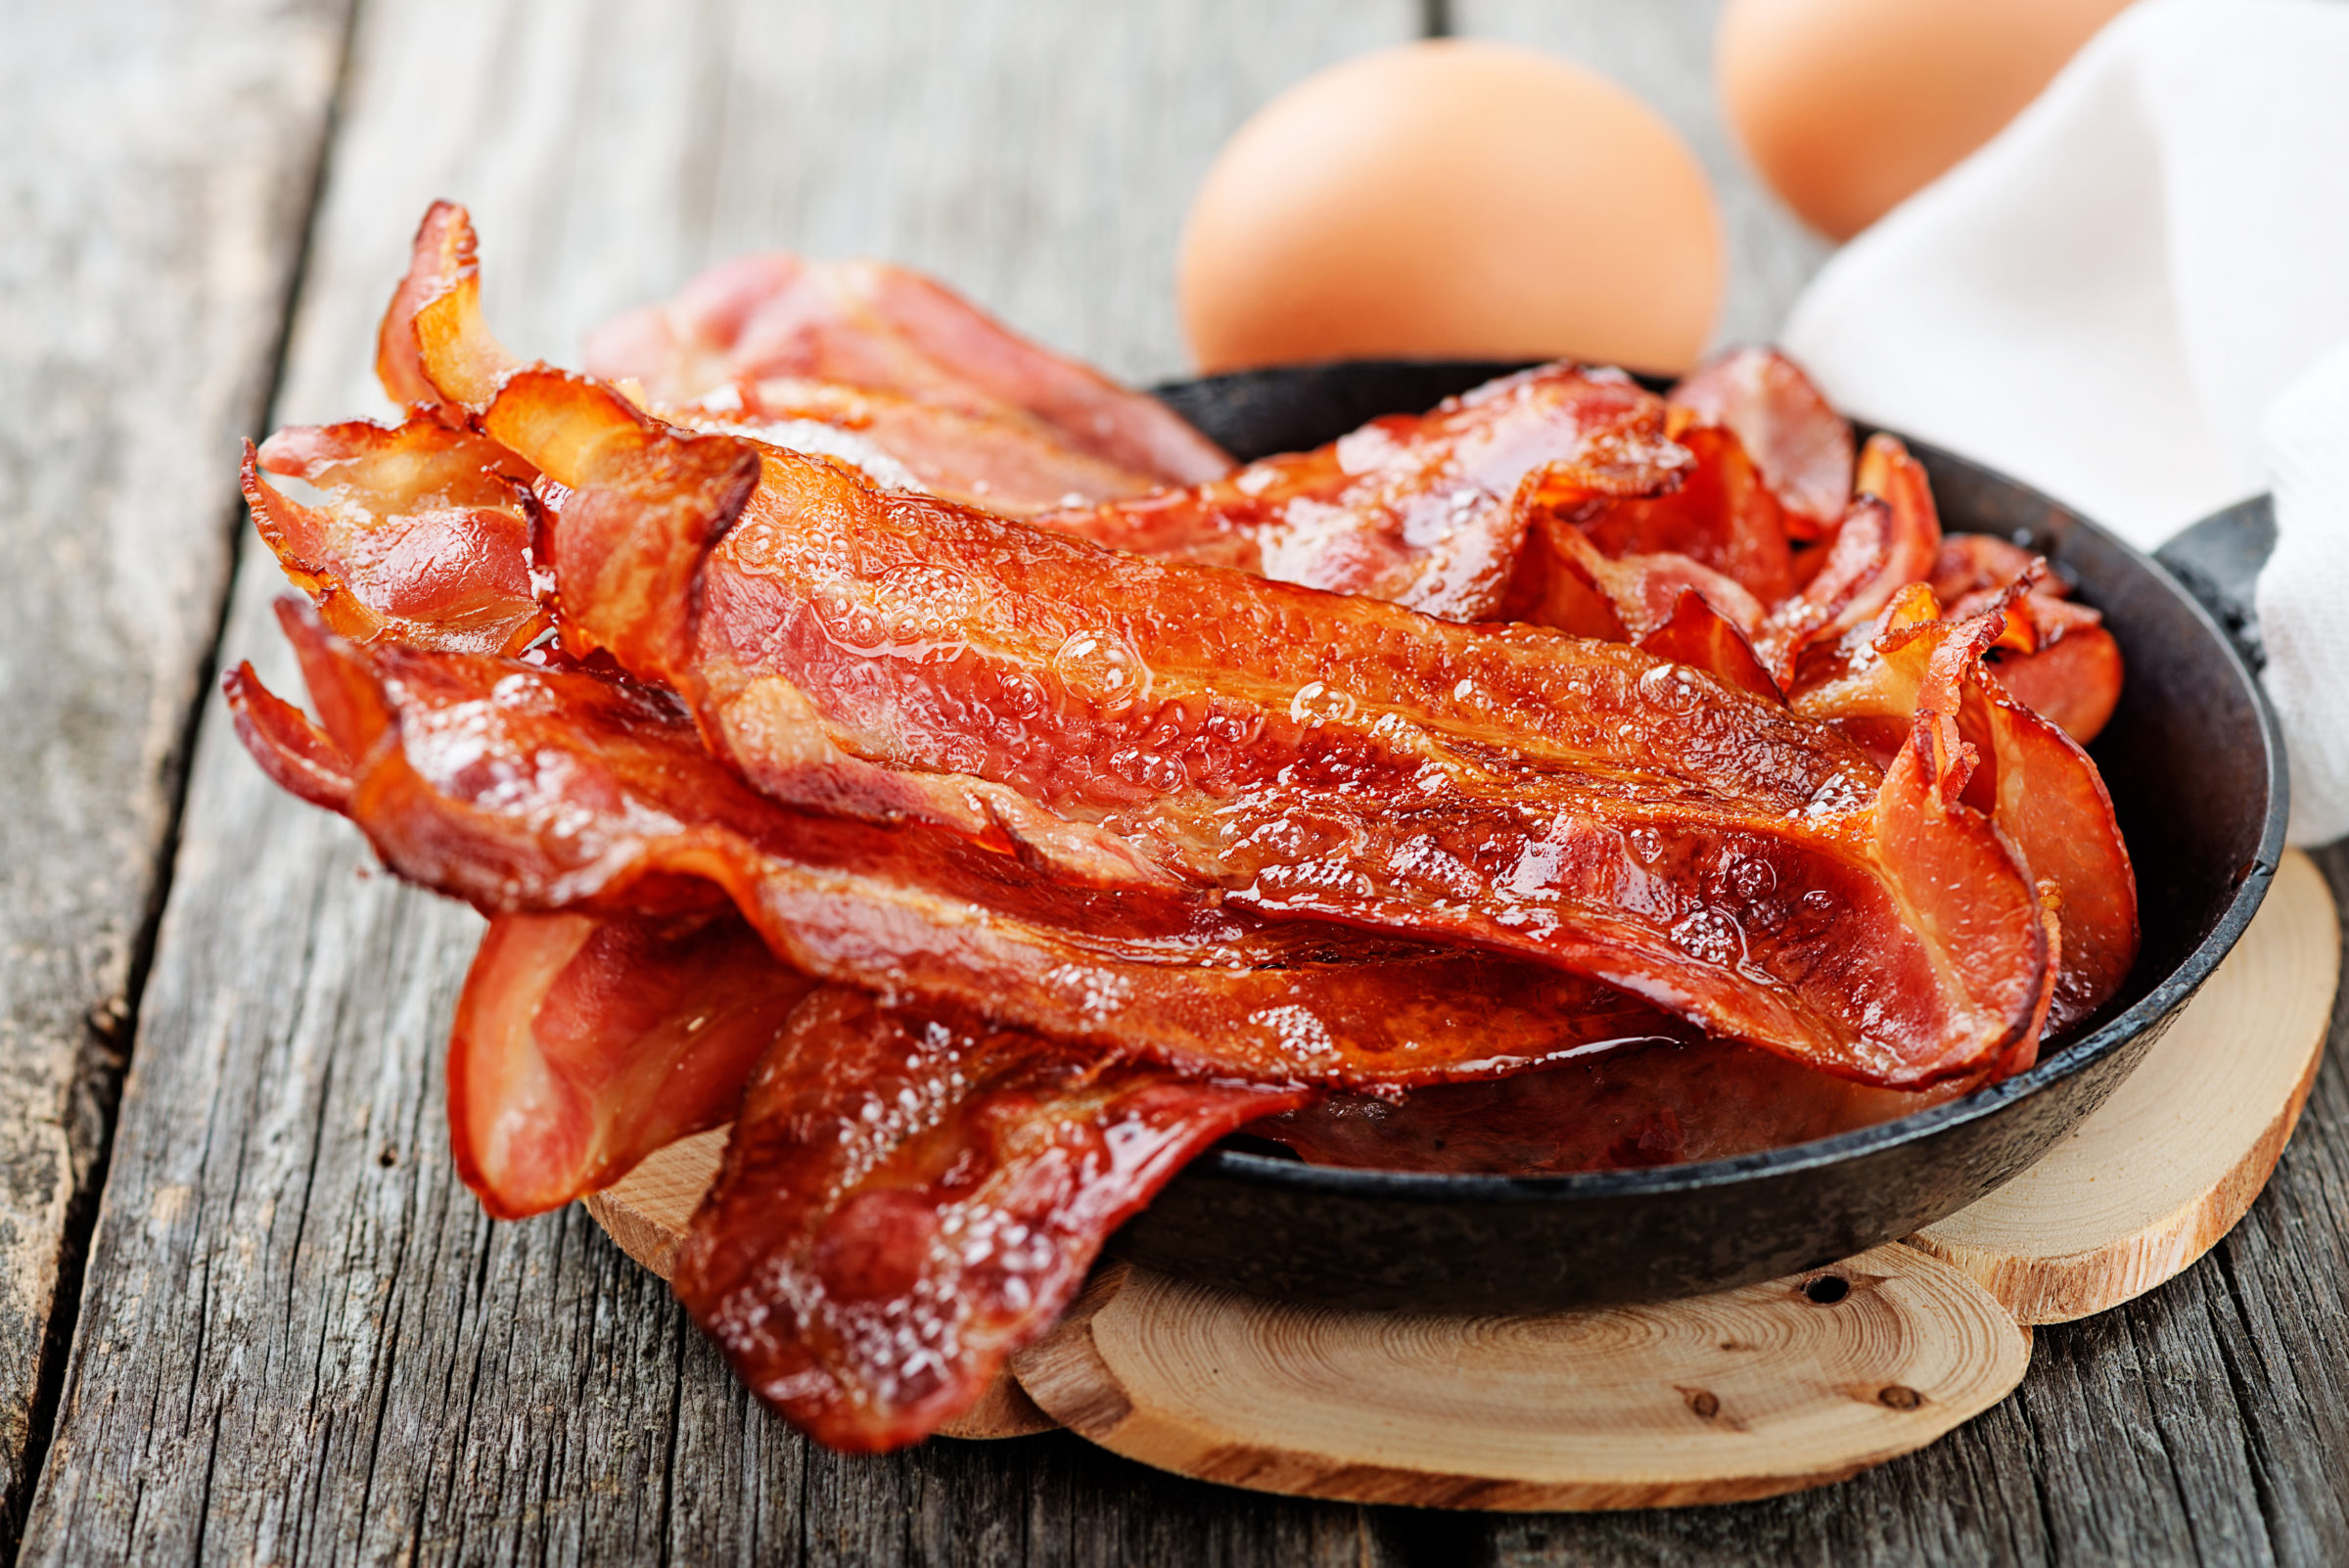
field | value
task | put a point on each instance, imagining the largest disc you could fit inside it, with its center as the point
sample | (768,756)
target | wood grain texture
(157,164)
(645,1212)
(1663,51)
(1744,1393)
(1039,158)
(300,1339)
(2168,1164)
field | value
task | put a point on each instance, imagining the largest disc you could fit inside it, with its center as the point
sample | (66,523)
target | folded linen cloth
(2136,298)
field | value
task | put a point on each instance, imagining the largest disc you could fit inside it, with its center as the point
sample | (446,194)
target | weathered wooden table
(246,1312)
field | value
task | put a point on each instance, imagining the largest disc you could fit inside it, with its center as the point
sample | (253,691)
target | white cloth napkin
(2136,299)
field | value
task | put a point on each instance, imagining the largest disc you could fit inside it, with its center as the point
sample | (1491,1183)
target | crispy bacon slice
(443,252)
(1577,589)
(2074,682)
(1889,537)
(298,756)
(1969,569)
(909,1199)
(1784,423)
(583,1044)
(1699,636)
(422,535)
(1614,573)
(1424,510)
(526,790)
(1913,538)
(2062,663)
(1915,669)
(1017,467)
(1723,516)
(870,325)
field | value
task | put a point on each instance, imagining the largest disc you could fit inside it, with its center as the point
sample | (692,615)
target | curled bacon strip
(2034,781)
(1802,447)
(423,534)
(1579,589)
(1424,510)
(2074,682)
(879,327)
(583,1044)
(1722,517)
(521,789)
(1888,537)
(2059,662)
(1612,570)
(906,1200)
(1000,464)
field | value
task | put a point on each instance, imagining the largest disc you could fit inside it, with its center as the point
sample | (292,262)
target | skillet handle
(2218,562)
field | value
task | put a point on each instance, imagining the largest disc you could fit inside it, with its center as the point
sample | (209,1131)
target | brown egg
(1453,198)
(1849,106)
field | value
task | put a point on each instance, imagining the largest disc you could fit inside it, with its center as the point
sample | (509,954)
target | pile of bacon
(866,729)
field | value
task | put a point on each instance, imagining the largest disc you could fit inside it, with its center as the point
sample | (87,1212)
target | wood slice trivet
(2170,1163)
(1737,1395)
(1741,1394)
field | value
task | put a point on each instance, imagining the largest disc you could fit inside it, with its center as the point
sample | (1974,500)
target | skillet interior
(2195,763)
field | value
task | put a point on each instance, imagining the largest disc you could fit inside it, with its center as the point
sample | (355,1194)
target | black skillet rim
(2165,996)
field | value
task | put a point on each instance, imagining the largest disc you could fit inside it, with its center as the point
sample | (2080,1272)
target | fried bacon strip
(1722,517)
(906,1200)
(423,534)
(2060,662)
(997,463)
(872,326)
(1610,570)
(1914,668)
(583,1044)
(1889,536)
(526,790)
(1801,445)
(1579,589)
(1424,510)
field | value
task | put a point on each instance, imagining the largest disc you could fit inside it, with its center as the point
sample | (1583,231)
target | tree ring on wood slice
(646,1213)
(1742,1394)
(2168,1165)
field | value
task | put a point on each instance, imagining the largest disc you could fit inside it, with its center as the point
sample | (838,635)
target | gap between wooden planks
(1742,1394)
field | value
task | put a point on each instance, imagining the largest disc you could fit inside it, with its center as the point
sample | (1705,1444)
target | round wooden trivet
(1737,1395)
(1741,1394)
(2172,1161)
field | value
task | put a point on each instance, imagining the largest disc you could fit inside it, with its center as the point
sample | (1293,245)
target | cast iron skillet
(2195,768)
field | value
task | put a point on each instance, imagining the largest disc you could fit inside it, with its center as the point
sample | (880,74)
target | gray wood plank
(1663,51)
(157,164)
(299,1340)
